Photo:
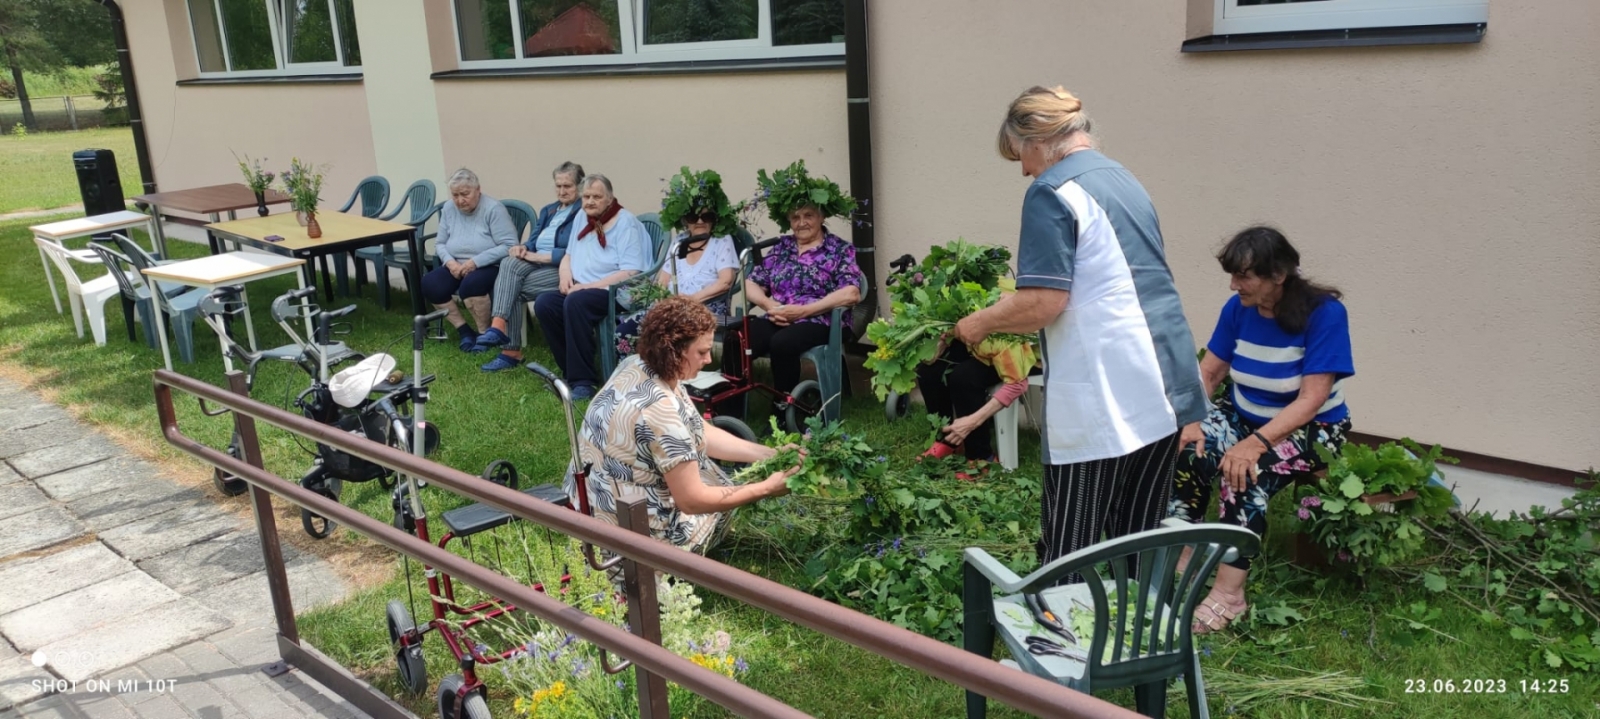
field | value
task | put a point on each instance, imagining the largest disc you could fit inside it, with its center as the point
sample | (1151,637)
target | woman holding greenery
(643,435)
(802,278)
(1285,342)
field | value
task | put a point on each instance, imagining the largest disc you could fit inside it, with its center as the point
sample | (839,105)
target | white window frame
(633,50)
(280,50)
(1233,19)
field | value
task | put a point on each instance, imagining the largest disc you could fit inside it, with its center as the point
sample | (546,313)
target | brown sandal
(1216,611)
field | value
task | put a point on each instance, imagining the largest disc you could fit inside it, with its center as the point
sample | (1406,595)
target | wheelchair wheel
(737,428)
(896,406)
(472,705)
(316,525)
(229,484)
(413,670)
(501,472)
(807,404)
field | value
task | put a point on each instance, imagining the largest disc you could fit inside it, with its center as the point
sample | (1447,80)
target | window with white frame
(274,37)
(517,33)
(1239,17)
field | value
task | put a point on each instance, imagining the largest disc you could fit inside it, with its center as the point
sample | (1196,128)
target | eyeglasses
(706,217)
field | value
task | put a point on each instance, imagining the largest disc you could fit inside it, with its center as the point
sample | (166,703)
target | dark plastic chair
(180,302)
(608,326)
(1141,655)
(419,198)
(373,193)
(134,303)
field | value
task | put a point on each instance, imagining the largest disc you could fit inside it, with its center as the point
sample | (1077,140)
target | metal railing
(62,112)
(640,553)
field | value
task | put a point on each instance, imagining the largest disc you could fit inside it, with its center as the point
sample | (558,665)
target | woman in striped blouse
(1285,342)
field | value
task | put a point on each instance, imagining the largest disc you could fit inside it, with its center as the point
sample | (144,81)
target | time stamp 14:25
(1486,686)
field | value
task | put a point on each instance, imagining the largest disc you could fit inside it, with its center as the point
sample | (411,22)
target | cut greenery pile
(833,463)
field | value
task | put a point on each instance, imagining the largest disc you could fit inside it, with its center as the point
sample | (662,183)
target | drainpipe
(860,127)
(136,119)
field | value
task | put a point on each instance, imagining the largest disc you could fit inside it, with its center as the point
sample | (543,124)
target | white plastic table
(58,232)
(230,268)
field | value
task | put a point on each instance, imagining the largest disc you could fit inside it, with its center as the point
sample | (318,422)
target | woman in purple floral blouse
(798,282)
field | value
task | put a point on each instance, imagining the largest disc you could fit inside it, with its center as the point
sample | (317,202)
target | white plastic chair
(87,257)
(86,297)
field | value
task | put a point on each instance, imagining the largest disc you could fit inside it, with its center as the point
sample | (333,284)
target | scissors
(1047,618)
(1043,646)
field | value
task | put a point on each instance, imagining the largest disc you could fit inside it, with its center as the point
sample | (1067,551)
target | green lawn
(1334,627)
(38,173)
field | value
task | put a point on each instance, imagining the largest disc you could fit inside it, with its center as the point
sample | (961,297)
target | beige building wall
(194,131)
(640,130)
(399,92)
(1452,191)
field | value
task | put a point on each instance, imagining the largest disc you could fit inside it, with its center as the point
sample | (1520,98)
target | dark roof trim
(1355,37)
(826,62)
(327,78)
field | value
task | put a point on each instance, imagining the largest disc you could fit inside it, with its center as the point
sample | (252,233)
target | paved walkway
(125,594)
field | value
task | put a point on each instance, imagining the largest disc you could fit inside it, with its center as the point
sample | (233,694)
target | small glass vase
(261,203)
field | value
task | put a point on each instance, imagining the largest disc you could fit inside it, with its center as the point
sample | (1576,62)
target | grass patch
(1317,647)
(36,171)
(62,81)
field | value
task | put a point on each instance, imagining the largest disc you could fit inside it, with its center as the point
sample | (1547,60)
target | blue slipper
(501,362)
(469,338)
(492,338)
(582,392)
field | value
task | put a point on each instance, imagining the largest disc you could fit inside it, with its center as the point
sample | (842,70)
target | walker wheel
(737,428)
(896,406)
(472,705)
(413,670)
(227,483)
(501,472)
(806,403)
(316,525)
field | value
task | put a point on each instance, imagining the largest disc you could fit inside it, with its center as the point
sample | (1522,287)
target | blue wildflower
(921,552)
(621,685)
(869,500)
(740,666)
(897,544)
(1205,651)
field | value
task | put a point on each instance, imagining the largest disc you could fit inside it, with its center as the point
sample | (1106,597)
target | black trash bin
(98,181)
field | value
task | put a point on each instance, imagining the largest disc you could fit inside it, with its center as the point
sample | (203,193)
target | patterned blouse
(637,430)
(793,278)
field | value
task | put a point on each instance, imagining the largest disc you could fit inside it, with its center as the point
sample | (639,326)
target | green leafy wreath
(691,193)
(792,188)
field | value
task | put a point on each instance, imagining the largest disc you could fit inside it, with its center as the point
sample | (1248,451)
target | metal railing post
(266,523)
(644,610)
(72,113)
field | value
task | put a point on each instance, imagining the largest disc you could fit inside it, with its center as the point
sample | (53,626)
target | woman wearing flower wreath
(704,263)
(643,435)
(801,279)
(1285,342)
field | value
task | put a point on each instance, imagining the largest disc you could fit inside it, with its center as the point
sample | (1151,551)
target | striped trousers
(1115,497)
(519,283)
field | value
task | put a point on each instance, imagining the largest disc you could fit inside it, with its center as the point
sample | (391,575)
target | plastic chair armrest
(997,573)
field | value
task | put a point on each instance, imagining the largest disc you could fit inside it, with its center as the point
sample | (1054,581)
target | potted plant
(258,180)
(1365,512)
(303,183)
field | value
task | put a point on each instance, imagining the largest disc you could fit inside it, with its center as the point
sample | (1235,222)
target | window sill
(323,79)
(1359,37)
(687,67)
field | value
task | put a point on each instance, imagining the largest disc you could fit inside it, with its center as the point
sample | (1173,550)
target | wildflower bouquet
(303,183)
(258,179)
(927,300)
(1366,512)
(792,187)
(834,465)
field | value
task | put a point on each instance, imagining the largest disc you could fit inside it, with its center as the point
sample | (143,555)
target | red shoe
(941,449)
(976,469)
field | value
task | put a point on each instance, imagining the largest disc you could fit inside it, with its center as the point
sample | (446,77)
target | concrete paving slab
(1501,495)
(59,458)
(211,563)
(6,650)
(52,707)
(29,412)
(118,600)
(29,581)
(115,476)
(37,436)
(139,500)
(8,475)
(100,705)
(246,600)
(247,644)
(119,644)
(195,522)
(17,677)
(37,529)
(20,498)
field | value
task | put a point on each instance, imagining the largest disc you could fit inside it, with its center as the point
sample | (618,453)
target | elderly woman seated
(610,245)
(801,279)
(475,232)
(704,263)
(532,269)
(644,436)
(1285,340)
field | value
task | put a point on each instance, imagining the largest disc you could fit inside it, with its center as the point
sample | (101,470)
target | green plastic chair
(523,216)
(373,193)
(608,326)
(419,199)
(1122,652)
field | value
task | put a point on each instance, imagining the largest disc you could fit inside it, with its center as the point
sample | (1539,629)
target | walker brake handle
(301,293)
(539,369)
(419,326)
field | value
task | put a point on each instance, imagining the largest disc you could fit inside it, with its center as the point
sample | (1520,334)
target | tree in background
(42,35)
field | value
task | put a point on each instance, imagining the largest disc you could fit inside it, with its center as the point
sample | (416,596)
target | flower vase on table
(313,230)
(261,203)
(303,183)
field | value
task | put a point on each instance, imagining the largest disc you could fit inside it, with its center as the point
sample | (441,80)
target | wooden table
(230,268)
(59,232)
(341,232)
(211,201)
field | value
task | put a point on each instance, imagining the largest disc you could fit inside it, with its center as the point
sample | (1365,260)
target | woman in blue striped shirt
(1285,342)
